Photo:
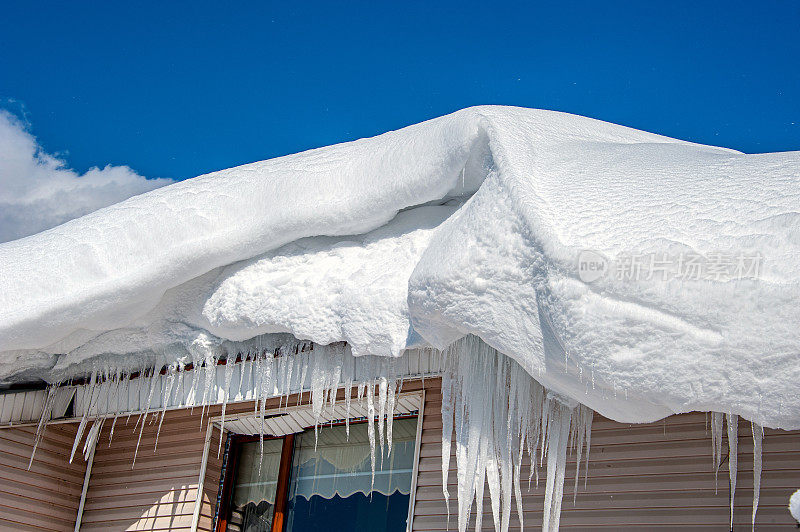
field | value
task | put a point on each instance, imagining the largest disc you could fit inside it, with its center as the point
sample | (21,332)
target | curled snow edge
(471,223)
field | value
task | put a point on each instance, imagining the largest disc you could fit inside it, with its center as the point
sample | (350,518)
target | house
(399,333)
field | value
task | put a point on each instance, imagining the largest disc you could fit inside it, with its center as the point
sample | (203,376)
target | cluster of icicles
(499,413)
(492,409)
(733,455)
(256,374)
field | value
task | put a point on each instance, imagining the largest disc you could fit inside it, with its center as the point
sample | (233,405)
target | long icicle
(154,378)
(733,454)
(371,428)
(165,398)
(717,419)
(383,392)
(230,364)
(447,429)
(758,436)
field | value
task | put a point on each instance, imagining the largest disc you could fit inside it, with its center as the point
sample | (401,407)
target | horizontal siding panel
(155,474)
(187,461)
(155,491)
(140,499)
(160,508)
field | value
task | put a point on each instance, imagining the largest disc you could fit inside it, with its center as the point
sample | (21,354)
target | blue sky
(176,89)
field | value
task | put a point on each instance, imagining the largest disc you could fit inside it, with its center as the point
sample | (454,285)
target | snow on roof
(638,274)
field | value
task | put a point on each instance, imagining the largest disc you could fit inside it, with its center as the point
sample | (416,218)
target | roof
(487,222)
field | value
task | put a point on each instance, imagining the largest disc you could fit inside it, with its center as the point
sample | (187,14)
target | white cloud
(38,191)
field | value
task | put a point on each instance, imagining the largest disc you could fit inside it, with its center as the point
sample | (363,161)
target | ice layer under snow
(472,223)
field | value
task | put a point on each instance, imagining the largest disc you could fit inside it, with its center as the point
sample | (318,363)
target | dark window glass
(331,482)
(254,491)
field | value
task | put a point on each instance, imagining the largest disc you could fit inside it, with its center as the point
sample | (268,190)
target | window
(253,503)
(303,482)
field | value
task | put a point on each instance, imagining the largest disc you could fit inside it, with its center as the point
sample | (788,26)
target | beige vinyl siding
(641,477)
(47,496)
(159,492)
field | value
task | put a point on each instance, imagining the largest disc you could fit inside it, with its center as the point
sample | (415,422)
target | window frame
(234,449)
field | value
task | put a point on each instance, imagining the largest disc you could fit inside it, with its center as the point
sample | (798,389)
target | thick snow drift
(637,274)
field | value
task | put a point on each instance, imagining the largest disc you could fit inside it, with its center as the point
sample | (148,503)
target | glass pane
(333,484)
(254,489)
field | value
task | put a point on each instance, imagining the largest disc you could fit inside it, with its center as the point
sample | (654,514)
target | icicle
(335,374)
(180,387)
(47,413)
(504,438)
(88,402)
(303,375)
(143,380)
(266,386)
(487,473)
(92,436)
(117,408)
(210,368)
(287,386)
(371,428)
(383,389)
(153,380)
(557,434)
(230,364)
(195,387)
(716,443)
(758,435)
(136,383)
(447,430)
(587,428)
(165,399)
(318,386)
(390,406)
(584,419)
(733,454)
(280,377)
(256,369)
(348,390)
(111,432)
